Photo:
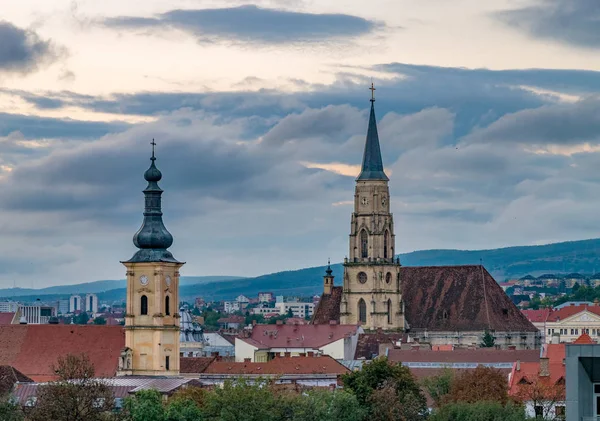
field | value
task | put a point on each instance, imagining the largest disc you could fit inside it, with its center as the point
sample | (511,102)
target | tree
(479,411)
(145,405)
(488,340)
(543,395)
(10,411)
(480,384)
(439,386)
(290,313)
(379,374)
(76,396)
(99,321)
(82,318)
(575,288)
(323,405)
(241,400)
(183,410)
(388,405)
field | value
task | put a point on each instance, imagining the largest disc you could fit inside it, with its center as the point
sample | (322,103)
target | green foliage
(274,320)
(259,318)
(439,386)
(82,318)
(211,318)
(379,374)
(240,400)
(323,405)
(146,405)
(10,411)
(479,411)
(99,321)
(290,313)
(488,340)
(183,410)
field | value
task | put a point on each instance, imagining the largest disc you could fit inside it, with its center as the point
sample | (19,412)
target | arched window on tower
(364,244)
(167,307)
(362,311)
(386,243)
(144,305)
(389,311)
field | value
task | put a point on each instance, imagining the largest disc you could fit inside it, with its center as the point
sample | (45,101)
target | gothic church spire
(372,166)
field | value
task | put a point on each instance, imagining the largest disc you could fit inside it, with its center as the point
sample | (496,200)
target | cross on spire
(372,89)
(153,143)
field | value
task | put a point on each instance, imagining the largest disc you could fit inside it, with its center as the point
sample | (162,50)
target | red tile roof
(298,336)
(537,316)
(568,311)
(524,373)
(584,339)
(33,349)
(194,365)
(9,376)
(6,318)
(280,366)
(232,319)
(369,343)
(442,348)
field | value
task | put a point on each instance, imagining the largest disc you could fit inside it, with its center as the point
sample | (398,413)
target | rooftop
(279,366)
(298,336)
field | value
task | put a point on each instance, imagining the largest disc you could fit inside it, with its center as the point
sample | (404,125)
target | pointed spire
(372,166)
(152,238)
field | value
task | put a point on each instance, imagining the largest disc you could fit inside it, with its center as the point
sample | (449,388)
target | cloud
(251,23)
(572,22)
(23,51)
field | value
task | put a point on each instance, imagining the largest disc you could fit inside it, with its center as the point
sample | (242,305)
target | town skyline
(488,140)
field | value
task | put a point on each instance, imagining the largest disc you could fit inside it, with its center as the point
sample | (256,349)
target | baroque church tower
(372,293)
(152,321)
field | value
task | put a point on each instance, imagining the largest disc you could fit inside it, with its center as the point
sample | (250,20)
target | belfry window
(144,305)
(167,309)
(385,244)
(167,365)
(364,244)
(362,311)
(389,311)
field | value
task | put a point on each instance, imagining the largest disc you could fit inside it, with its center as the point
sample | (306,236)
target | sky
(489,122)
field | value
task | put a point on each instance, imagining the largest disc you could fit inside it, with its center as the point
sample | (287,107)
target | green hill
(510,262)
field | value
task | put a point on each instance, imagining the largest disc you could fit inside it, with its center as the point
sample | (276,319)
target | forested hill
(511,262)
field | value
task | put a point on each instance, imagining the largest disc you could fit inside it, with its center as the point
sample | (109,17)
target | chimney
(544,367)
(518,365)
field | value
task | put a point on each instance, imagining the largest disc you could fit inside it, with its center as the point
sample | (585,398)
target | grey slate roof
(372,167)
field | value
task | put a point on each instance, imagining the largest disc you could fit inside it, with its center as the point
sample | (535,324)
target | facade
(8,306)
(372,292)
(265,297)
(152,321)
(75,304)
(582,382)
(91,303)
(299,309)
(191,337)
(568,322)
(35,314)
(62,306)
(266,342)
(231,306)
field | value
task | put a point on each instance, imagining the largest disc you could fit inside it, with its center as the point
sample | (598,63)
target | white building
(35,314)
(231,306)
(301,310)
(74,303)
(62,306)
(569,322)
(264,310)
(265,297)
(265,342)
(8,306)
(91,303)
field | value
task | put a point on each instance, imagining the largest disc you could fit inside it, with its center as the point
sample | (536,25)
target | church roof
(440,298)
(33,349)
(458,298)
(372,166)
(328,308)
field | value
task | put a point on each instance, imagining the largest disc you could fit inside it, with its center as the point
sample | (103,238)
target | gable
(583,316)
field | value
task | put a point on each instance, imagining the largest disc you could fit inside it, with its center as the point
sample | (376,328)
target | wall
(244,350)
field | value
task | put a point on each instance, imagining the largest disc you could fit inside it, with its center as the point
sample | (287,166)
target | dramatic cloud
(22,51)
(253,24)
(574,22)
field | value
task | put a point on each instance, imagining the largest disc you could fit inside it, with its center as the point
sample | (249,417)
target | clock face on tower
(168,280)
(365,201)
(144,280)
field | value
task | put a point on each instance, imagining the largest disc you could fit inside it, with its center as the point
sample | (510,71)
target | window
(539,411)
(144,305)
(362,277)
(388,278)
(167,309)
(167,363)
(549,332)
(364,244)
(362,311)
(389,311)
(385,244)
(559,411)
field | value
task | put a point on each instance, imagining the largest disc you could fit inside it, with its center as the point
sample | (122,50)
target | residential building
(540,385)
(298,309)
(231,306)
(300,372)
(265,342)
(8,306)
(265,297)
(233,322)
(62,306)
(199,302)
(243,300)
(217,344)
(91,303)
(263,310)
(75,304)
